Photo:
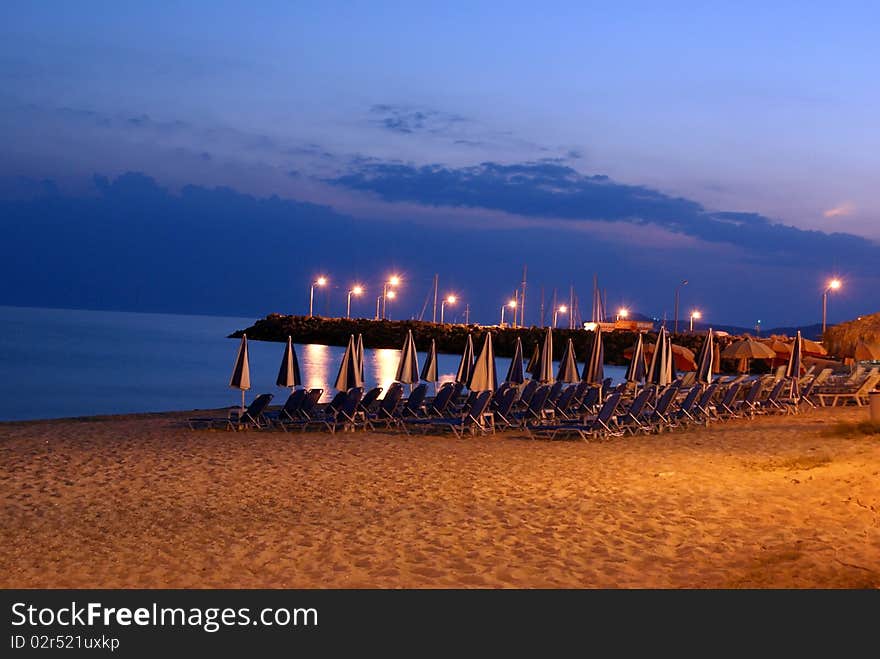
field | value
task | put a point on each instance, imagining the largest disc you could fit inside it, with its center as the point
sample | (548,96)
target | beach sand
(141,501)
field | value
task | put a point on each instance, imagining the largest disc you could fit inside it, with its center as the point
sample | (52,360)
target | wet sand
(144,502)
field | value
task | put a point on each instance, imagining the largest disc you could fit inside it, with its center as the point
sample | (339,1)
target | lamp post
(561,309)
(695,314)
(623,312)
(449,300)
(394,280)
(357,290)
(390,295)
(320,281)
(833,285)
(675,313)
(512,305)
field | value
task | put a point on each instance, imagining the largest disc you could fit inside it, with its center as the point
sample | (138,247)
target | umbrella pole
(242,403)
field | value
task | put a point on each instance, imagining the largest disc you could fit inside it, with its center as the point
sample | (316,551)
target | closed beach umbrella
(360,355)
(466,365)
(594,368)
(288,374)
(568,370)
(532,366)
(408,366)
(707,360)
(670,357)
(544,367)
(349,373)
(635,372)
(793,370)
(241,370)
(659,372)
(429,370)
(515,374)
(483,377)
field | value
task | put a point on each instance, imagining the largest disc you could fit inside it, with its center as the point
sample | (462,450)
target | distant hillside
(841,339)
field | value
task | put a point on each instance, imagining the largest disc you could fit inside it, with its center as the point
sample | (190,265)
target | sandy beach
(141,501)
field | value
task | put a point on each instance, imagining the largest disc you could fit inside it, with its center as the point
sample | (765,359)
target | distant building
(624,325)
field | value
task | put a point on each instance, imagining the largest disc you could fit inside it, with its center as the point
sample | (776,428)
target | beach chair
(590,400)
(562,405)
(534,412)
(370,400)
(772,404)
(504,409)
(857,395)
(386,413)
(703,409)
(600,425)
(527,392)
(413,406)
(236,419)
(470,420)
(725,405)
(633,419)
(342,414)
(440,403)
(748,405)
(659,415)
(685,413)
(290,410)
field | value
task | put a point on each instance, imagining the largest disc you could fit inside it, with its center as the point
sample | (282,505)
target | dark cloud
(549,189)
(407,120)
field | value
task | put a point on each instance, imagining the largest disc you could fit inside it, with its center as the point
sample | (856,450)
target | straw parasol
(747,349)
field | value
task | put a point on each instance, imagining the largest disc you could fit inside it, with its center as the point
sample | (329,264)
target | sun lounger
(251,417)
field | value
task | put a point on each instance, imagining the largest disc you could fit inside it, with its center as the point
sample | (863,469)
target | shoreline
(141,501)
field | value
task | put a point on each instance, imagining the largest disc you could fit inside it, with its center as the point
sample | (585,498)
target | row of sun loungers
(543,411)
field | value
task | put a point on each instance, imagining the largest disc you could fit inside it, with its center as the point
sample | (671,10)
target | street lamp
(320,281)
(449,300)
(561,309)
(623,312)
(390,295)
(675,313)
(393,280)
(512,305)
(357,290)
(833,285)
(695,314)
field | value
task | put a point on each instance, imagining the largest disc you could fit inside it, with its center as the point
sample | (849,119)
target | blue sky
(640,125)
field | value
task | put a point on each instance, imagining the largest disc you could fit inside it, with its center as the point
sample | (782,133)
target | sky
(732,145)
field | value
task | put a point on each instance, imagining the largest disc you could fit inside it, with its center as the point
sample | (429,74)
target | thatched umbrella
(747,349)
(867,351)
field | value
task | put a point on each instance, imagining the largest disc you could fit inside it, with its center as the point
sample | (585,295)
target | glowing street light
(320,281)
(357,290)
(623,312)
(390,295)
(393,280)
(833,285)
(450,299)
(695,315)
(512,305)
(561,309)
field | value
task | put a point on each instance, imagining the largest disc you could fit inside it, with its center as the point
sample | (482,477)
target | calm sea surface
(60,363)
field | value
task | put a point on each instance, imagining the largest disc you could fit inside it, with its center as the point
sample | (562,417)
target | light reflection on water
(319,366)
